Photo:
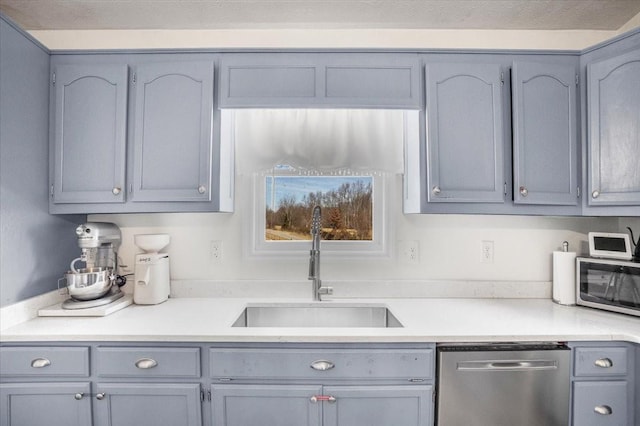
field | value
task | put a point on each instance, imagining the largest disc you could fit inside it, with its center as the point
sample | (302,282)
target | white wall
(449,246)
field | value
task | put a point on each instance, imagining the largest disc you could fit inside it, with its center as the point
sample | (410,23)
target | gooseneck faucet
(314,256)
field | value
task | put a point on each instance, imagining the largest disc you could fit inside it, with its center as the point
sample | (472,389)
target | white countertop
(424,319)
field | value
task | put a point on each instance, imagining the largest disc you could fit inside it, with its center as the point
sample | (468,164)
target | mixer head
(97,234)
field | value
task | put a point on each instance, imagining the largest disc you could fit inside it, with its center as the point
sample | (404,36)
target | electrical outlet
(486,255)
(410,252)
(215,251)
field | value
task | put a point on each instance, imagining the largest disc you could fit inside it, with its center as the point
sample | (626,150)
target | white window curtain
(323,141)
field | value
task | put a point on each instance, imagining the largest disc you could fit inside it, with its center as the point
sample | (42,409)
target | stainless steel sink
(316,315)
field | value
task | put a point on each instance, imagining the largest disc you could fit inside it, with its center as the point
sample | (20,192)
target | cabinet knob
(40,363)
(604,410)
(436,190)
(100,396)
(603,363)
(117,190)
(322,365)
(146,363)
(202,189)
(595,194)
(78,396)
(524,191)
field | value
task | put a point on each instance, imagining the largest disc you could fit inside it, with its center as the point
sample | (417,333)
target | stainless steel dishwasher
(503,385)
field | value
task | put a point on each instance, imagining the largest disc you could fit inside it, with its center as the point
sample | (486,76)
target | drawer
(148,362)
(605,361)
(600,403)
(288,364)
(44,361)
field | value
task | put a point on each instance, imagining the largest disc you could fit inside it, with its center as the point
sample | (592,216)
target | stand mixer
(97,283)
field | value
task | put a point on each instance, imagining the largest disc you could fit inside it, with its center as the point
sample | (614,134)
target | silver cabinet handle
(40,363)
(436,190)
(117,190)
(202,189)
(524,191)
(595,194)
(322,365)
(100,396)
(604,410)
(328,398)
(603,363)
(78,396)
(146,363)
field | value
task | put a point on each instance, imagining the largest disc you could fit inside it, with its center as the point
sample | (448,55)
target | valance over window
(319,140)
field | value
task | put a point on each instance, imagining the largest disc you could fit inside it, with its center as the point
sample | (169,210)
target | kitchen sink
(316,315)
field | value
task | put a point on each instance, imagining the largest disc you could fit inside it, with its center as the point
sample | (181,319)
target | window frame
(339,249)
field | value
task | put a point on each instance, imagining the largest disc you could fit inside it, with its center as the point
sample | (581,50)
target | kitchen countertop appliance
(152,277)
(609,284)
(97,283)
(503,385)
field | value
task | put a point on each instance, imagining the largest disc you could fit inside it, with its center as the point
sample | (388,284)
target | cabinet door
(600,403)
(173,132)
(89,136)
(465,140)
(54,404)
(613,96)
(265,405)
(544,134)
(378,406)
(155,404)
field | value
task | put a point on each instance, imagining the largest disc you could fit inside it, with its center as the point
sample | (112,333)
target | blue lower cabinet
(599,403)
(311,405)
(378,405)
(52,404)
(266,405)
(149,404)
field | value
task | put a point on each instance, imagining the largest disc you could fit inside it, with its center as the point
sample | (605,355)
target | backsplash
(449,246)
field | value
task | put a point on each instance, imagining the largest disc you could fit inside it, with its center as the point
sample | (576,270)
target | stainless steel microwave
(613,285)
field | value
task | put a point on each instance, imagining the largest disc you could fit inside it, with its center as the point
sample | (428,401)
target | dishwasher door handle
(502,365)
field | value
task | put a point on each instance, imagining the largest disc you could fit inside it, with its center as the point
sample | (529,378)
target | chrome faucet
(314,256)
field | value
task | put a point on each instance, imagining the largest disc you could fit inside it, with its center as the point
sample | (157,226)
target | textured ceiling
(319,14)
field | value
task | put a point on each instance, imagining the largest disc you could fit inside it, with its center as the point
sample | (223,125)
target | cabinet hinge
(53,79)
(130,188)
(577,79)
(51,191)
(505,188)
(134,78)
(578,192)
(502,78)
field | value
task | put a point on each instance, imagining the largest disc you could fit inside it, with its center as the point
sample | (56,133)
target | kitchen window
(347,161)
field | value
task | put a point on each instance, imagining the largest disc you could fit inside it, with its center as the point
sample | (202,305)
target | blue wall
(35,247)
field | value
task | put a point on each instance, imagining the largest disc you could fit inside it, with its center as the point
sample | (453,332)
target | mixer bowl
(89,284)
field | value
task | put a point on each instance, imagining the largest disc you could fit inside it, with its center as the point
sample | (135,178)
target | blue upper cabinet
(89,133)
(307,80)
(173,131)
(613,144)
(544,133)
(465,137)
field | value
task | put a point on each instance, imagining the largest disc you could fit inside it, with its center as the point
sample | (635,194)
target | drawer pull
(40,363)
(146,363)
(603,363)
(604,410)
(322,365)
(100,396)
(78,396)
(328,398)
